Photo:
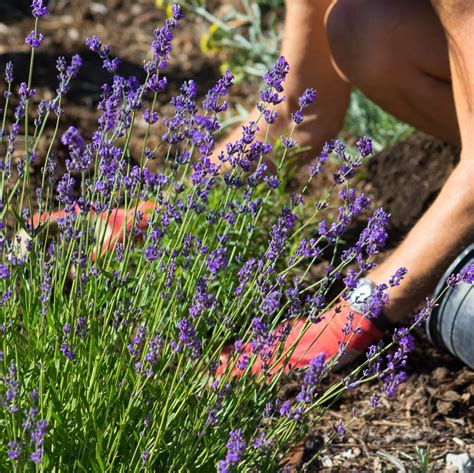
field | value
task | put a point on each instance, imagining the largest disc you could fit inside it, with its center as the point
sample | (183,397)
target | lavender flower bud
(235,449)
(307,98)
(9,72)
(38,9)
(34,40)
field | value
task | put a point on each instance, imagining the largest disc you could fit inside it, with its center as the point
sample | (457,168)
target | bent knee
(454,13)
(375,39)
(455,8)
(358,40)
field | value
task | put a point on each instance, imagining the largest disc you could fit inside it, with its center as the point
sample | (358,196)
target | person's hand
(340,332)
(109,226)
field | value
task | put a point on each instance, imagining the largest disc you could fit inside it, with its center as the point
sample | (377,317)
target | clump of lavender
(121,281)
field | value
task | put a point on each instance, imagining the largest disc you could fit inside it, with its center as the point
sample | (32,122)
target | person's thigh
(396,52)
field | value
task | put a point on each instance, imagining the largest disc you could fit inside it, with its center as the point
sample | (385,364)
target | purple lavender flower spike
(467,274)
(261,442)
(220,89)
(285,409)
(275,77)
(177,12)
(188,338)
(14,450)
(235,449)
(312,377)
(24,92)
(396,278)
(38,9)
(34,40)
(307,98)
(145,456)
(154,348)
(161,46)
(217,260)
(75,66)
(297,117)
(66,73)
(4,272)
(288,142)
(9,72)
(364,145)
(339,428)
(271,303)
(37,440)
(67,351)
(12,384)
(94,44)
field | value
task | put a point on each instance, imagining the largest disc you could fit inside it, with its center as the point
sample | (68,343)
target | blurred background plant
(246,37)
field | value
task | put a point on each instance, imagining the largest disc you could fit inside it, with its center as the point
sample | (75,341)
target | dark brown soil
(407,177)
(435,407)
(433,410)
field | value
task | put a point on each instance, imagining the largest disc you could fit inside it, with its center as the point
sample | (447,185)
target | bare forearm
(305,46)
(439,235)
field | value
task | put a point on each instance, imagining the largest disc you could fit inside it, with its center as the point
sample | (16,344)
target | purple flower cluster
(354,205)
(262,443)
(67,348)
(67,72)
(280,233)
(276,76)
(38,8)
(389,368)
(37,439)
(371,240)
(4,272)
(203,299)
(14,450)
(8,73)
(220,89)
(466,275)
(312,378)
(272,94)
(188,338)
(236,447)
(217,260)
(307,98)
(213,412)
(12,385)
(350,164)
(161,45)
(364,146)
(271,303)
(395,280)
(103,50)
(34,39)
(80,156)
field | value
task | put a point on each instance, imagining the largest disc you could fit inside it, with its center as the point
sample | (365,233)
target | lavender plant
(121,285)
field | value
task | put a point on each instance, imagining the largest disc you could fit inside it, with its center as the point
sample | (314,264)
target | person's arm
(305,47)
(448,226)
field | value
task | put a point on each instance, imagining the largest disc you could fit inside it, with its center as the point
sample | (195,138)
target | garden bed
(435,408)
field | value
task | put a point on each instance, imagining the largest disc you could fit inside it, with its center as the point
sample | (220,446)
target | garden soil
(435,407)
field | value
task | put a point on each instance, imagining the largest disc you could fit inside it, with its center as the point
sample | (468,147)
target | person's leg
(396,53)
(305,47)
(448,225)
(457,17)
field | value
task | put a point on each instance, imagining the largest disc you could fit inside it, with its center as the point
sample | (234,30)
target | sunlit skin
(414,59)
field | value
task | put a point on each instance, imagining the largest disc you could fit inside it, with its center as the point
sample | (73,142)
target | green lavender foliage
(110,340)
